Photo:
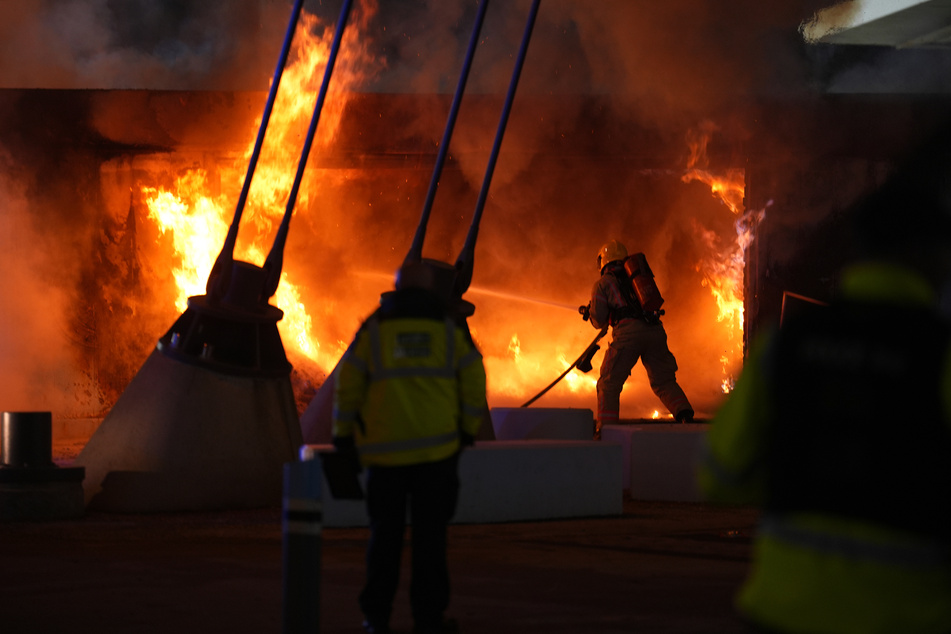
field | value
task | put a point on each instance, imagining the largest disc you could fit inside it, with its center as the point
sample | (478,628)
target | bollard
(302,525)
(26,439)
(32,486)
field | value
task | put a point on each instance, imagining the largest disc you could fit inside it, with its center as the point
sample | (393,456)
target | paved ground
(661,567)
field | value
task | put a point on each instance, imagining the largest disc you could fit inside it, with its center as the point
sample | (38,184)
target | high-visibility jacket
(411,383)
(844,543)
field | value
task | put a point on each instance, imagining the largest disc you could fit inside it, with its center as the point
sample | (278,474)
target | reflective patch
(412,345)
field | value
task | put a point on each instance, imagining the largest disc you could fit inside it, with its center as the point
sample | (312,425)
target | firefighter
(636,334)
(409,395)
(839,428)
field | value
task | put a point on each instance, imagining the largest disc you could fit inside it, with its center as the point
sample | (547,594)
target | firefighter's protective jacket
(854,533)
(411,383)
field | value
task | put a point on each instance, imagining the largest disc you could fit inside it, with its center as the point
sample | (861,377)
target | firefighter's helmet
(613,251)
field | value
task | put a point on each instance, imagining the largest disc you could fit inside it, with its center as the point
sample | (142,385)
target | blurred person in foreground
(409,395)
(637,333)
(839,429)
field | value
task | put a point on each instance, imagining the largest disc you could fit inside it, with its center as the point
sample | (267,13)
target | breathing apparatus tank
(642,278)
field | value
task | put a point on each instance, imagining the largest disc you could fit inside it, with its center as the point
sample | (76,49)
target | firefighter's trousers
(633,340)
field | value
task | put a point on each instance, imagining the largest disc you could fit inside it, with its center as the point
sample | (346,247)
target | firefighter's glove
(584,364)
(585,312)
(347,447)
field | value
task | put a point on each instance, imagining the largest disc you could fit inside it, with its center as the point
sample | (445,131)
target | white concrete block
(522,423)
(659,460)
(511,481)
(508,481)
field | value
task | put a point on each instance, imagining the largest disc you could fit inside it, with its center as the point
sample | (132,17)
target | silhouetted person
(636,334)
(409,395)
(839,428)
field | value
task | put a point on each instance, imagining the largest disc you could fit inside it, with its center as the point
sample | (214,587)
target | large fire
(723,269)
(198,221)
(524,350)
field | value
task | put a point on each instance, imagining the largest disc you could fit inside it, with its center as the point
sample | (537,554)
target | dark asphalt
(661,567)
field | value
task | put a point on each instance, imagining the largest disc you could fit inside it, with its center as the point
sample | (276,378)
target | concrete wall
(660,460)
(510,481)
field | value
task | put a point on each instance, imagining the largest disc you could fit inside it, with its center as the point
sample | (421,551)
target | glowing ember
(515,348)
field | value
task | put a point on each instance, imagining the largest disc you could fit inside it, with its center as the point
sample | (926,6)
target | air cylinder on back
(643,280)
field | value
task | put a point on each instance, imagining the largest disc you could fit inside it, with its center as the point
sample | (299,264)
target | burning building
(718,153)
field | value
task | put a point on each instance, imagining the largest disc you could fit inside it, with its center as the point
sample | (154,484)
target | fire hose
(583,363)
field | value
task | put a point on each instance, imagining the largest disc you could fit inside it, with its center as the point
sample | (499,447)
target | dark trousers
(631,340)
(431,490)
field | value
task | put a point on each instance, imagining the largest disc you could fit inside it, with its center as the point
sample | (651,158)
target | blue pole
(275,258)
(415,253)
(465,263)
(302,528)
(220,276)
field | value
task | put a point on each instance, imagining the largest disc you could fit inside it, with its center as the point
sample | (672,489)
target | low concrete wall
(659,460)
(522,423)
(510,481)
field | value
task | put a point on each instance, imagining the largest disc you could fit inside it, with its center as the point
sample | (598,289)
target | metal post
(415,253)
(219,278)
(465,263)
(302,527)
(275,258)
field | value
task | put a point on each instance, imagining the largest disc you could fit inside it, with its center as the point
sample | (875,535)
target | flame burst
(723,270)
(196,220)
(193,213)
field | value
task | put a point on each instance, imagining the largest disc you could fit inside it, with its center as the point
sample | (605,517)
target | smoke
(830,20)
(37,368)
(595,150)
(173,45)
(889,63)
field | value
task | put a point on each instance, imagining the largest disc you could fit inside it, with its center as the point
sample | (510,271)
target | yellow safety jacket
(815,570)
(410,384)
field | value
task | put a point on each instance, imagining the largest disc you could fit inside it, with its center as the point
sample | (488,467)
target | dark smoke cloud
(131,44)
(666,65)
(681,54)
(662,61)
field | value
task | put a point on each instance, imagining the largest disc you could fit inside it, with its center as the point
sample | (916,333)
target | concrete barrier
(510,481)
(522,423)
(659,459)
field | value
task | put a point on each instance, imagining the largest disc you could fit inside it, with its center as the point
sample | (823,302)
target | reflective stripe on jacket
(407,387)
(815,570)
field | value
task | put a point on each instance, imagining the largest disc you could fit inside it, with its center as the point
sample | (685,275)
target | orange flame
(723,270)
(198,221)
(194,212)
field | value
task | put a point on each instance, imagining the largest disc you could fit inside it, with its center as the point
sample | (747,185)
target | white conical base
(317,420)
(182,437)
